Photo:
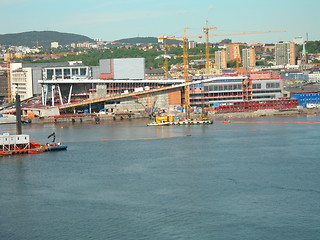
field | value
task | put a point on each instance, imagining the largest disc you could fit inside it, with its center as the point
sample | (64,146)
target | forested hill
(146,40)
(41,38)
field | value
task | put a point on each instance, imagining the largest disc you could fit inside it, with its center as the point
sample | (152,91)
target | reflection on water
(250,179)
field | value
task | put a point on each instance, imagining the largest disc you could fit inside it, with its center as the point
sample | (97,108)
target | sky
(112,20)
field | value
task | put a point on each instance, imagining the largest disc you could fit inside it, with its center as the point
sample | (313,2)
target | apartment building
(233,52)
(21,83)
(220,59)
(248,57)
(285,53)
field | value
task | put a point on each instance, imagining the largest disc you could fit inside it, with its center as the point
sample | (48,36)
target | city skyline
(110,20)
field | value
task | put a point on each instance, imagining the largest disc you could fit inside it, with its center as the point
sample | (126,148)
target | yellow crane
(205,30)
(8,56)
(185,38)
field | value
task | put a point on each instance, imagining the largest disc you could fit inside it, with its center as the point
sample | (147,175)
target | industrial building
(308,96)
(231,89)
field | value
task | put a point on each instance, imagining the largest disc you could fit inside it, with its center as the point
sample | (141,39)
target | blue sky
(116,19)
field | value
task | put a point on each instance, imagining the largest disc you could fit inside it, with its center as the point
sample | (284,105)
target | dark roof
(43,65)
(304,89)
(154,71)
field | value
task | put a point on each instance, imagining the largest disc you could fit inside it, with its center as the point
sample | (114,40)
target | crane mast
(8,60)
(205,30)
(186,73)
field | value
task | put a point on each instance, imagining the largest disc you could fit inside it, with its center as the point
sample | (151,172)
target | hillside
(41,38)
(146,40)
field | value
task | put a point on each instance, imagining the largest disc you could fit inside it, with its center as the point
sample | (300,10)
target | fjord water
(250,179)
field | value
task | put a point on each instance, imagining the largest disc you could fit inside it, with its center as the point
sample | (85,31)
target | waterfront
(250,179)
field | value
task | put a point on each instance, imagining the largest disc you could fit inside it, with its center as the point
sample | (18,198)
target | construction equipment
(185,38)
(207,35)
(205,30)
(9,56)
(8,62)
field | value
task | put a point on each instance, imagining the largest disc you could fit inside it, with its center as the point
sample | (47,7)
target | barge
(20,144)
(170,120)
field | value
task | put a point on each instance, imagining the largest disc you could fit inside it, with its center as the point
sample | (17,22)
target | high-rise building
(233,52)
(21,82)
(285,53)
(248,57)
(3,85)
(220,59)
(192,44)
(298,40)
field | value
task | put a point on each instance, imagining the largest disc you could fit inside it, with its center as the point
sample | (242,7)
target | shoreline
(211,115)
(265,113)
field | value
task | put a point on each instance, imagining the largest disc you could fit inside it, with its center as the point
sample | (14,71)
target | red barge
(20,144)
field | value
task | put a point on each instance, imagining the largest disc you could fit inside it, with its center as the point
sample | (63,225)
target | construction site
(117,88)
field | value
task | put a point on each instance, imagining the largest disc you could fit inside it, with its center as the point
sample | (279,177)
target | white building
(54,44)
(298,40)
(21,82)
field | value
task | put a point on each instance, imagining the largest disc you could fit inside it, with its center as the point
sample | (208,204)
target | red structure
(242,106)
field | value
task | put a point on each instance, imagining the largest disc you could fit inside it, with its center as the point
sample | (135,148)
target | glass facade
(65,72)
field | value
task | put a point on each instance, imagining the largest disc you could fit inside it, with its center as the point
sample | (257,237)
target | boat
(170,120)
(20,143)
(158,124)
(56,146)
(7,119)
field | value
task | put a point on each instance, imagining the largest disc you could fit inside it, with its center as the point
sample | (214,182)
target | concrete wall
(122,68)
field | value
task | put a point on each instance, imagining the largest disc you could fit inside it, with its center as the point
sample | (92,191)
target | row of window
(67,72)
(273,85)
(218,94)
(231,87)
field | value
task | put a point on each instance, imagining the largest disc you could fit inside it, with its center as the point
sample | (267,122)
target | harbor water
(249,179)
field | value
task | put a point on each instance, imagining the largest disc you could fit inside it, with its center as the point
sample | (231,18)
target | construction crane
(8,56)
(166,62)
(205,30)
(185,38)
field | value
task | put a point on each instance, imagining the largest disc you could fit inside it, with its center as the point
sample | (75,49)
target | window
(66,73)
(49,74)
(58,73)
(256,86)
(83,71)
(75,71)
(273,85)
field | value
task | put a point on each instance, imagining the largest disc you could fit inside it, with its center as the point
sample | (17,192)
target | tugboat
(20,143)
(53,146)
